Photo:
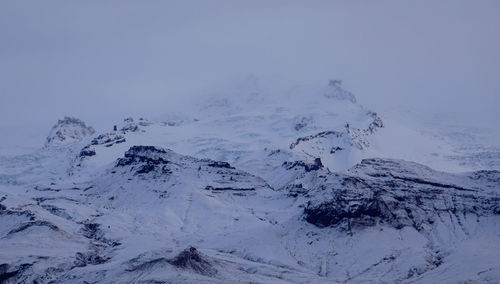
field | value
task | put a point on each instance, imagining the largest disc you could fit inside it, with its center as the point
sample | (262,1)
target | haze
(102,61)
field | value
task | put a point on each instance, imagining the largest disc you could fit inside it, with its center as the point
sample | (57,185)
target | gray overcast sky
(104,60)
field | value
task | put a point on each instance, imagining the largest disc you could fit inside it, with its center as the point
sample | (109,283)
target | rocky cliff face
(402,194)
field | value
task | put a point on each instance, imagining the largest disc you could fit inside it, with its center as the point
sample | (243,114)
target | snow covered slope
(309,124)
(246,188)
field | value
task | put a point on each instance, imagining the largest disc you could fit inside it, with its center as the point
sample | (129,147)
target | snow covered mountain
(68,130)
(251,188)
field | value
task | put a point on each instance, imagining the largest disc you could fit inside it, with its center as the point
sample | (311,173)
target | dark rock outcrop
(216,164)
(23,226)
(402,194)
(208,187)
(87,152)
(192,259)
(149,162)
(145,159)
(10,274)
(322,134)
(335,91)
(308,167)
(189,260)
(108,139)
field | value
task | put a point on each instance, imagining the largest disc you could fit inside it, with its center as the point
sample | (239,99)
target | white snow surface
(267,189)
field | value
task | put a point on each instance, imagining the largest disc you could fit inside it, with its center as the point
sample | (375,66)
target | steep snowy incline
(155,215)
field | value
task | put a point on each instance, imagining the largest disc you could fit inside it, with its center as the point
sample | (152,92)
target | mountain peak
(336,91)
(67,130)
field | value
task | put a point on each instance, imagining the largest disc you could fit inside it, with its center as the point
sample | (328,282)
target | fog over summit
(62,58)
(249,142)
